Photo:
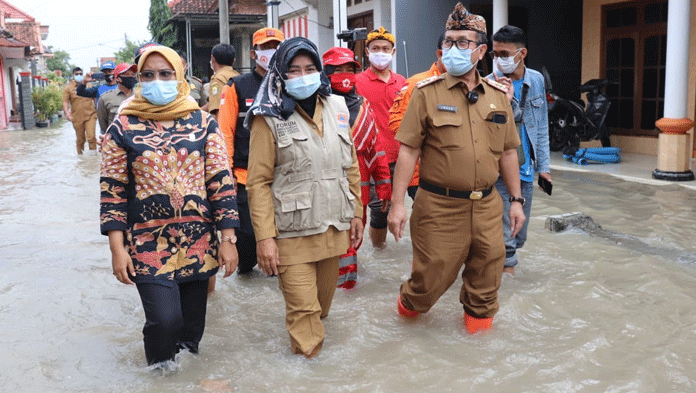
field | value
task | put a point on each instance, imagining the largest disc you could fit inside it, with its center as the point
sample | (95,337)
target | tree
(126,54)
(59,61)
(162,32)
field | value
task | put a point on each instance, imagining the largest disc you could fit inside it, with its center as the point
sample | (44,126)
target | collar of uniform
(452,81)
(225,68)
(373,77)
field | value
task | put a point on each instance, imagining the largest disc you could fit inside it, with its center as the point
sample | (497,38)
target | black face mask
(129,82)
(108,78)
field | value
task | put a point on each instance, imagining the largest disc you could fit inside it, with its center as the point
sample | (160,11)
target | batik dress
(169,189)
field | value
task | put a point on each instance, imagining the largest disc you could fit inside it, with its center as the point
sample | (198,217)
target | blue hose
(602,150)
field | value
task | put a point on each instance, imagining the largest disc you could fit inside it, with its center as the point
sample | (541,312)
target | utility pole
(223,8)
(273,13)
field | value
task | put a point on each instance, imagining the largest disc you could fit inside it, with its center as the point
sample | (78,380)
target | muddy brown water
(583,314)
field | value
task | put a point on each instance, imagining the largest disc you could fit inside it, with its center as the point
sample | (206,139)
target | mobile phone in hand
(546,185)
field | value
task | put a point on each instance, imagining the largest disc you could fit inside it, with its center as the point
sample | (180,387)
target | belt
(474,195)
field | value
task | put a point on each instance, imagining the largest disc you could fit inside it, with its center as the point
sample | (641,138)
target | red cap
(337,56)
(266,34)
(123,67)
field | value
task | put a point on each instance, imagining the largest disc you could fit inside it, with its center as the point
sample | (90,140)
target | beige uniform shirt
(108,106)
(261,174)
(197,91)
(81,108)
(219,81)
(460,142)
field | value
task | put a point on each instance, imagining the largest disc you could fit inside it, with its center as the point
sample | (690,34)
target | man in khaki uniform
(109,102)
(461,126)
(221,60)
(80,111)
(196,85)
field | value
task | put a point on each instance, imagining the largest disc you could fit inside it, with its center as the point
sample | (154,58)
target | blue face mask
(304,86)
(457,61)
(79,78)
(160,92)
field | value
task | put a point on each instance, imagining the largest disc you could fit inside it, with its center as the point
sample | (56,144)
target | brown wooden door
(357,21)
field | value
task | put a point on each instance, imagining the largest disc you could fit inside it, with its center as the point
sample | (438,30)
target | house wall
(591,68)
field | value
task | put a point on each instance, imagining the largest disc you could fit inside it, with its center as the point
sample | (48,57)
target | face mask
(160,92)
(380,60)
(108,78)
(343,82)
(263,57)
(79,78)
(304,86)
(457,61)
(507,65)
(129,82)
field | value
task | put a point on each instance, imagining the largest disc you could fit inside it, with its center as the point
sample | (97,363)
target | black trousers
(246,240)
(174,318)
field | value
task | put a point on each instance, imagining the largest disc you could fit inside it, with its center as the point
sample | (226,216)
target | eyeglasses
(504,53)
(461,43)
(78,73)
(164,75)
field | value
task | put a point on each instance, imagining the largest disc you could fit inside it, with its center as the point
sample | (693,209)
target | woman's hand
(228,257)
(356,232)
(267,256)
(122,265)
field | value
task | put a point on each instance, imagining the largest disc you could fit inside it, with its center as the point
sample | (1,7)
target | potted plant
(47,101)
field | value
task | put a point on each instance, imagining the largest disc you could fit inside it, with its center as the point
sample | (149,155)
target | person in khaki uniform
(303,185)
(461,126)
(109,102)
(196,85)
(80,111)
(221,60)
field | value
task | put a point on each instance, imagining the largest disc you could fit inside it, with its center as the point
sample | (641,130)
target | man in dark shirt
(237,98)
(95,92)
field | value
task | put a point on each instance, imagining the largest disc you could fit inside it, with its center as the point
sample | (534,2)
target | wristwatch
(517,199)
(232,239)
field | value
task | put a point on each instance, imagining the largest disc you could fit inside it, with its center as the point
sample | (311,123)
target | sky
(88,30)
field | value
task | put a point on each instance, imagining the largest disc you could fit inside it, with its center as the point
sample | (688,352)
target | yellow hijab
(178,108)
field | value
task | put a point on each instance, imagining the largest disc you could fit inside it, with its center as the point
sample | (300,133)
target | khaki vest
(310,186)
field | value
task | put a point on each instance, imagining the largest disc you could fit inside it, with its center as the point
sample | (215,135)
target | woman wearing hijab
(304,187)
(165,192)
(341,68)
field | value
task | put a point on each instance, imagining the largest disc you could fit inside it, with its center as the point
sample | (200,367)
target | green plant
(47,101)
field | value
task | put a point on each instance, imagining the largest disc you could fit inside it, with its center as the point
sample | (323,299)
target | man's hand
(397,220)
(510,93)
(87,78)
(267,256)
(356,232)
(516,217)
(68,116)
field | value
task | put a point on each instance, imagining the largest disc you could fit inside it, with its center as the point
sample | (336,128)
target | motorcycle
(572,122)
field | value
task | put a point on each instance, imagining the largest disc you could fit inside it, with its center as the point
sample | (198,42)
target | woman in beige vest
(304,187)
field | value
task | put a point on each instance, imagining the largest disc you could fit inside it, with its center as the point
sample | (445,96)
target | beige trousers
(308,289)
(84,130)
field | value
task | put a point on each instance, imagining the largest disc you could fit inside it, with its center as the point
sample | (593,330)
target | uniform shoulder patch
(432,79)
(496,85)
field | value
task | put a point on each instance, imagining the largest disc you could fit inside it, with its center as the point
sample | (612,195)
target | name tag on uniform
(447,108)
(285,131)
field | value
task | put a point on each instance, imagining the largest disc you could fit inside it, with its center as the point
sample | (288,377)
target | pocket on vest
(294,211)
(347,202)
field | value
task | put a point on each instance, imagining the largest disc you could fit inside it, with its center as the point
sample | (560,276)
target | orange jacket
(227,120)
(396,113)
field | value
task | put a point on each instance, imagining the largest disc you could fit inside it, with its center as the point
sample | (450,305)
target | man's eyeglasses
(164,75)
(504,53)
(78,74)
(461,43)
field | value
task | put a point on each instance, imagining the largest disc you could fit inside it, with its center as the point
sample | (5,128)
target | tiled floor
(633,167)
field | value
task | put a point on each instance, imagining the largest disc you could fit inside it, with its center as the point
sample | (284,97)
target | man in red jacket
(380,85)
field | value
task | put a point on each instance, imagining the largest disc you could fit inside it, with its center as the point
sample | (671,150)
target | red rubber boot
(405,312)
(474,325)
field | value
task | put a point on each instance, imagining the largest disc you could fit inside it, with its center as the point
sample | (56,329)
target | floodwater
(583,314)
